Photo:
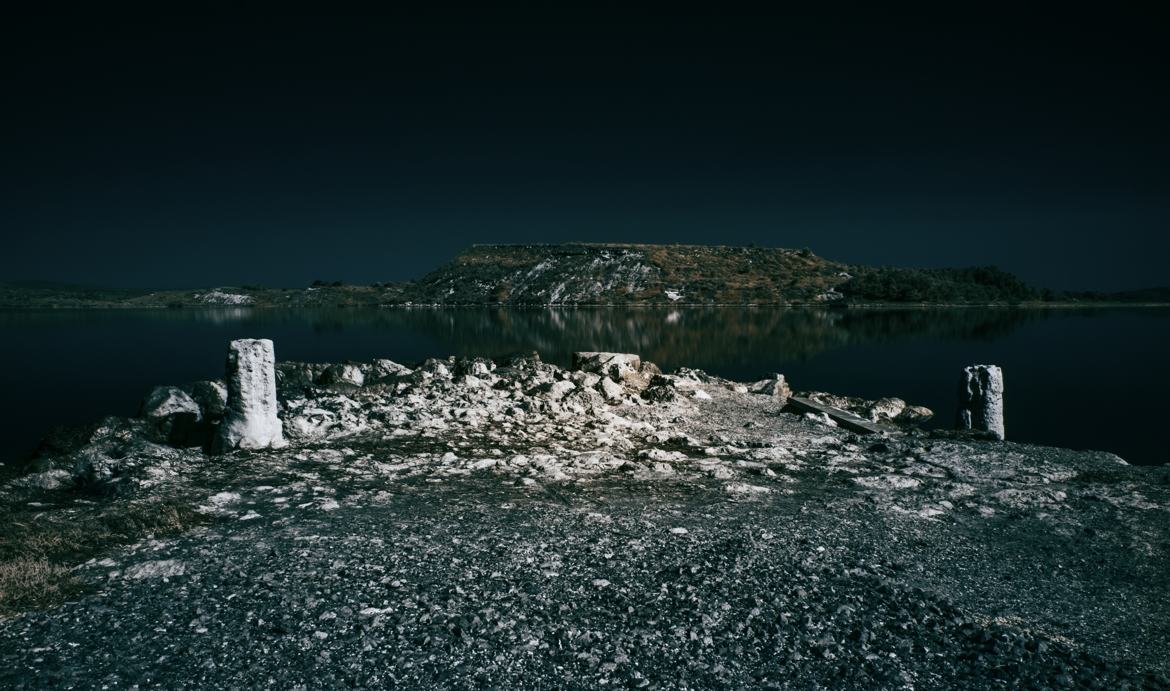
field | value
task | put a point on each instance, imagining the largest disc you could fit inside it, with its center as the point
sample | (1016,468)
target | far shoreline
(629,305)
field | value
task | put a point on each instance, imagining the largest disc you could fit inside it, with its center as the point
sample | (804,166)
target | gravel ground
(668,540)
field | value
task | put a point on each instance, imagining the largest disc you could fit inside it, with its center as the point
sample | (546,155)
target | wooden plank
(843,418)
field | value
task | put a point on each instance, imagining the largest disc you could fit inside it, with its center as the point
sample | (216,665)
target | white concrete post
(250,420)
(981,399)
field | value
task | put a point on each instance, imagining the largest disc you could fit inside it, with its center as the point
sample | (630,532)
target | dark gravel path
(477,583)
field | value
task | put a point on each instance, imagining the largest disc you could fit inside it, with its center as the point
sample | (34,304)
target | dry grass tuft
(30,583)
(37,548)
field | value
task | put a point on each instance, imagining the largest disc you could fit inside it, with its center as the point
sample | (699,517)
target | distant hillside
(334,294)
(609,274)
(613,274)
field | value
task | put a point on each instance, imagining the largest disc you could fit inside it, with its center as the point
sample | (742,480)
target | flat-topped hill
(631,273)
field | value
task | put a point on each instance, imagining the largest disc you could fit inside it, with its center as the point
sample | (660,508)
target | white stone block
(250,420)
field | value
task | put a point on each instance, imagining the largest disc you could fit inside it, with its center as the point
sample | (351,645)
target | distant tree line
(984,284)
(974,285)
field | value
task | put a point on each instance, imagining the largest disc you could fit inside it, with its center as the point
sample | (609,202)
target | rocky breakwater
(505,521)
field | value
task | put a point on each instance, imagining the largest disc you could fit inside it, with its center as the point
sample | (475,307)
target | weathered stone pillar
(250,420)
(981,399)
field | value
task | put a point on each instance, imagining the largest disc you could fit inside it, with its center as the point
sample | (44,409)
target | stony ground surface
(508,524)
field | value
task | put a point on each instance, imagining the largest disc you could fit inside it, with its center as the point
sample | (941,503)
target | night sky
(186,152)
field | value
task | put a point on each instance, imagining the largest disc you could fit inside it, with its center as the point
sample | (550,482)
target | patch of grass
(37,548)
(33,583)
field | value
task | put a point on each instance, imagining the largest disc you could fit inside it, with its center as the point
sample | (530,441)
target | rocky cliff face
(612,274)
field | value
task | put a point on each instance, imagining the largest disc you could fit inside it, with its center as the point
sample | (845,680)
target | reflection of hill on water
(690,337)
(961,323)
(696,337)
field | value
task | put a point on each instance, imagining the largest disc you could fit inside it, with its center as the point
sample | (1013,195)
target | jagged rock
(433,367)
(298,379)
(581,401)
(557,390)
(524,366)
(585,380)
(526,360)
(852,404)
(211,396)
(625,368)
(116,446)
(775,386)
(65,439)
(295,379)
(176,416)
(345,376)
(660,394)
(886,409)
(117,430)
(383,370)
(820,418)
(307,419)
(610,390)
(476,367)
(981,399)
(93,466)
(470,381)
(697,375)
(52,479)
(165,401)
(613,365)
(250,421)
(914,414)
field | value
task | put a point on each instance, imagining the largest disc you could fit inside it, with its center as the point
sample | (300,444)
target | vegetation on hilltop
(976,285)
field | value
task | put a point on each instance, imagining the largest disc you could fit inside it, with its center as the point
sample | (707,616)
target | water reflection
(674,337)
(75,366)
(671,337)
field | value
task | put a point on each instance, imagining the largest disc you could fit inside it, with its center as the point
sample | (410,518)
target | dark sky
(183,152)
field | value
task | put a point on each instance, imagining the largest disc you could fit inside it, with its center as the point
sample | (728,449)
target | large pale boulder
(474,367)
(775,386)
(981,399)
(625,368)
(613,365)
(250,420)
(914,414)
(211,397)
(165,401)
(342,376)
(555,391)
(886,409)
(610,390)
(175,414)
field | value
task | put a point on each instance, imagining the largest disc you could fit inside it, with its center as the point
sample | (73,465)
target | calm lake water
(1094,379)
